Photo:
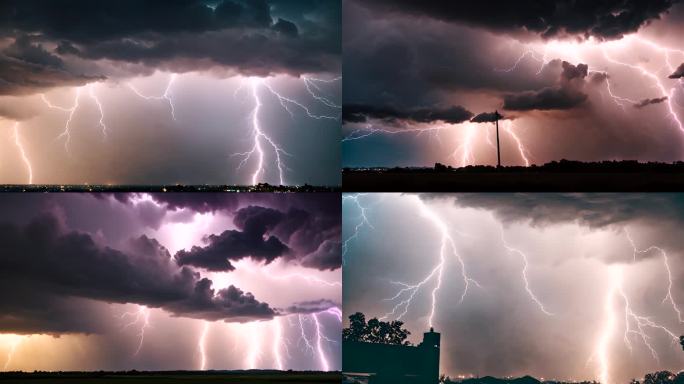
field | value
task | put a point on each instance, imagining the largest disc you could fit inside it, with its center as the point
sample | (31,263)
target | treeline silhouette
(375,331)
(553,166)
(660,377)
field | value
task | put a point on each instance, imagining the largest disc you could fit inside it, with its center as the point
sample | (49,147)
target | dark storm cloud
(678,73)
(27,67)
(593,210)
(647,102)
(356,113)
(254,37)
(487,117)
(604,20)
(46,266)
(313,306)
(232,245)
(265,234)
(566,95)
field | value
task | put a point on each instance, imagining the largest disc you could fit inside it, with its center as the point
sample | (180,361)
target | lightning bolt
(363,222)
(254,350)
(321,355)
(93,96)
(277,343)
(523,256)
(609,326)
(166,96)
(668,296)
(66,133)
(303,335)
(407,292)
(201,346)
(259,139)
(22,152)
(508,127)
(142,317)
(13,341)
(312,87)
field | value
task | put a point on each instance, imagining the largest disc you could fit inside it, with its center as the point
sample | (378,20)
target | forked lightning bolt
(259,140)
(166,96)
(66,133)
(140,318)
(668,296)
(407,292)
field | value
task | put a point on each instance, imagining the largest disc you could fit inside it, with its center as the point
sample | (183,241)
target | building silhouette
(395,364)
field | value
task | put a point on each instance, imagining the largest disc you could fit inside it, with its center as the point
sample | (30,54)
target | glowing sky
(564,286)
(165,92)
(417,72)
(172,281)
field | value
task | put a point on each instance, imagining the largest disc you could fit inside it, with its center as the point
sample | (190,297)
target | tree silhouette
(375,331)
(681,341)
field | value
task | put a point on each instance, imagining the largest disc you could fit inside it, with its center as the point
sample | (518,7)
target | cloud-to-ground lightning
(140,318)
(66,133)
(407,292)
(12,341)
(259,138)
(278,343)
(319,347)
(93,95)
(602,352)
(668,296)
(508,127)
(202,345)
(523,256)
(22,152)
(166,96)
(635,324)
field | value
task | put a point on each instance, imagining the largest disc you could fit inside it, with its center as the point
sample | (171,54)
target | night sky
(568,321)
(170,281)
(585,81)
(165,92)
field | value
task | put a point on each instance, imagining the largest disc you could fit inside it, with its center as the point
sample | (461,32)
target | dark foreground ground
(184,377)
(564,176)
(162,188)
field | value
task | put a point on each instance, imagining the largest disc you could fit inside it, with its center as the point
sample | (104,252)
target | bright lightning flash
(166,96)
(12,342)
(407,292)
(261,141)
(140,318)
(523,256)
(22,152)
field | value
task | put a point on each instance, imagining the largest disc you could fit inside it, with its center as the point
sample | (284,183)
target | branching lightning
(259,139)
(362,223)
(668,296)
(261,142)
(321,355)
(140,318)
(66,133)
(407,292)
(22,152)
(523,256)
(166,96)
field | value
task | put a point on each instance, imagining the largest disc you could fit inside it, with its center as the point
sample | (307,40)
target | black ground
(162,188)
(563,176)
(173,377)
